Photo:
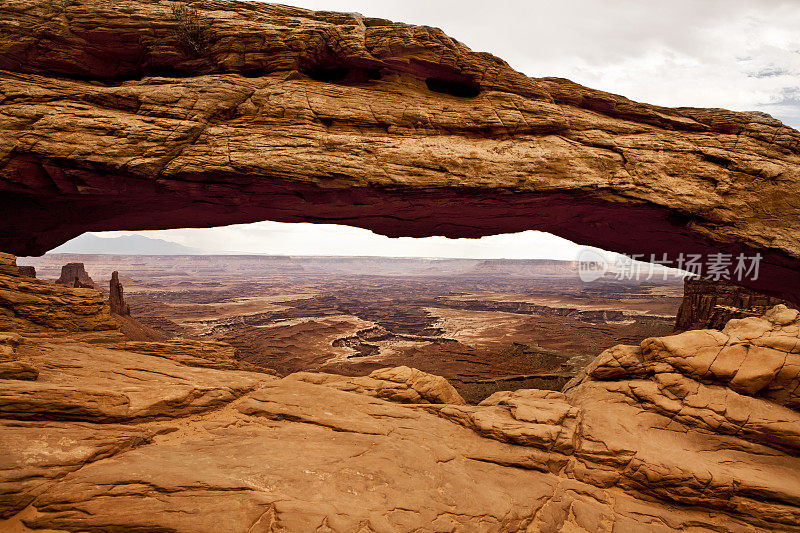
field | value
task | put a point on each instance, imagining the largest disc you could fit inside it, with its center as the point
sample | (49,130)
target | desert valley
(272,391)
(485,325)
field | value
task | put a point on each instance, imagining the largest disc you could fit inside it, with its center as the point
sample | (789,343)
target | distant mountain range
(124,245)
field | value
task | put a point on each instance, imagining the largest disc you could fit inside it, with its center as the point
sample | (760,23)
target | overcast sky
(741,55)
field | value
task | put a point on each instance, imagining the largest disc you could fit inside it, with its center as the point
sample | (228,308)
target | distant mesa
(524,268)
(27,271)
(75,275)
(123,245)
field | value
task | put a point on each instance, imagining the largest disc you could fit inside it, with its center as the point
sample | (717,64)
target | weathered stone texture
(116,298)
(28,305)
(709,304)
(698,431)
(111,119)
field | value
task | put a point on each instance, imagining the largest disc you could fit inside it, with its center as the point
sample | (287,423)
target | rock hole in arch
(462,89)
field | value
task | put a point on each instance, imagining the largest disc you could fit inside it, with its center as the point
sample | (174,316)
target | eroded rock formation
(29,305)
(115,116)
(206,354)
(27,271)
(75,275)
(400,384)
(116,299)
(130,326)
(709,304)
(694,432)
(134,113)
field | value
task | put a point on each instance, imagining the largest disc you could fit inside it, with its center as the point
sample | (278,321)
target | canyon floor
(485,325)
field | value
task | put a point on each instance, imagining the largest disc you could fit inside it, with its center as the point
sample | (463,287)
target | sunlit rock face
(29,306)
(136,115)
(692,432)
(709,304)
(139,115)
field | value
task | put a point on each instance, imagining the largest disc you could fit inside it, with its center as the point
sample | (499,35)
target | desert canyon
(352,394)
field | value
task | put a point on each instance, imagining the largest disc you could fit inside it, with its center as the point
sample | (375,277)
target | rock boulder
(400,384)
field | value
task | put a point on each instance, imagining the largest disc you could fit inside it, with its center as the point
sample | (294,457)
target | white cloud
(278,238)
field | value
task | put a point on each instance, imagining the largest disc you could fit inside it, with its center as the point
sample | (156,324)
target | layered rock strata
(694,432)
(400,384)
(709,304)
(116,116)
(29,305)
(75,275)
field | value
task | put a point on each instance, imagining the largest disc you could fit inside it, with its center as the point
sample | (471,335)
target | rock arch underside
(147,115)
(113,118)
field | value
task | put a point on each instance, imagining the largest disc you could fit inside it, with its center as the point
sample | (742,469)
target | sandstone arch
(110,120)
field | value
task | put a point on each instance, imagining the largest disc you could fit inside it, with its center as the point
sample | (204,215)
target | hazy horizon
(338,241)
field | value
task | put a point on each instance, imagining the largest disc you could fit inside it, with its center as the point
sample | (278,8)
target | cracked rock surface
(112,118)
(694,432)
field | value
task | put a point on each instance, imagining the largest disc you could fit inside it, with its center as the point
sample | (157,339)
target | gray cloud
(770,72)
(788,96)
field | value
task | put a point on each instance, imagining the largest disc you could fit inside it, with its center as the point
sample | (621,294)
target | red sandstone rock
(341,118)
(116,118)
(116,299)
(29,305)
(711,304)
(698,431)
(27,271)
(132,328)
(75,275)
(400,384)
